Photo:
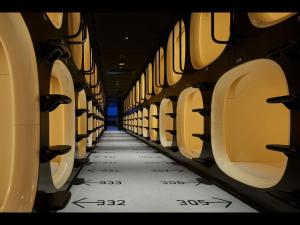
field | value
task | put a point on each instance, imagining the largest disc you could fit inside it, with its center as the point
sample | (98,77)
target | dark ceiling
(132,38)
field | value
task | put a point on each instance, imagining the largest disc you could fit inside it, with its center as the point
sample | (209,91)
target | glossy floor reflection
(126,175)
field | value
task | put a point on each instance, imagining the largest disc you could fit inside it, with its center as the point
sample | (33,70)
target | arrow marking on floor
(193,182)
(80,201)
(88,182)
(167,170)
(104,170)
(203,181)
(199,181)
(105,156)
(205,202)
(221,201)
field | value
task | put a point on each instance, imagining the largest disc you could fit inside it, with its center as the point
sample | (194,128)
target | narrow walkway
(126,175)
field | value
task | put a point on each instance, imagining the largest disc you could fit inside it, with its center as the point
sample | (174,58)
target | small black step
(156,129)
(79,137)
(49,103)
(203,137)
(80,86)
(203,112)
(286,149)
(51,50)
(46,202)
(80,112)
(155,116)
(173,132)
(89,115)
(292,102)
(173,115)
(49,152)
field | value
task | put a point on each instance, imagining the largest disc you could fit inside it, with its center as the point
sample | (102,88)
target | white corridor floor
(127,175)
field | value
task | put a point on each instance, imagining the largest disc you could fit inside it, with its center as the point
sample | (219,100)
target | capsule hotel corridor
(127,175)
(186,111)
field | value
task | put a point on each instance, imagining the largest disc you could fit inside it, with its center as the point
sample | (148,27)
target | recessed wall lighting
(121,64)
(126,38)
